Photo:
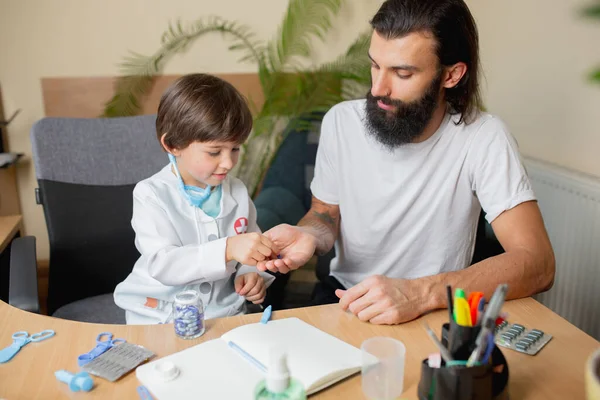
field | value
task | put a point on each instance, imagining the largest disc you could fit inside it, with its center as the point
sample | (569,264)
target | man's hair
(203,108)
(455,33)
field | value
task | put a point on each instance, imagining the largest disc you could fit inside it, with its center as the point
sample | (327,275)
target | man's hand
(386,301)
(251,286)
(249,248)
(296,248)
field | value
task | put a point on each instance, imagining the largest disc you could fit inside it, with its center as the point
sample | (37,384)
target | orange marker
(473,301)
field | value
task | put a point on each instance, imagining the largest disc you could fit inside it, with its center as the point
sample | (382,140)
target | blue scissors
(101,346)
(20,339)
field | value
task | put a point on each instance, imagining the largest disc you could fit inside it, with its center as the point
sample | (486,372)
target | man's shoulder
(482,129)
(346,109)
(344,119)
(482,120)
(487,127)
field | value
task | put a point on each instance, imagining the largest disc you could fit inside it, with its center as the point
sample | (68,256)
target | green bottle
(277,384)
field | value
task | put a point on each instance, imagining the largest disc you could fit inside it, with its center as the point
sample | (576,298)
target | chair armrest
(23,284)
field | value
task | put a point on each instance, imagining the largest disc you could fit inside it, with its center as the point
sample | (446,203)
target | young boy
(194,224)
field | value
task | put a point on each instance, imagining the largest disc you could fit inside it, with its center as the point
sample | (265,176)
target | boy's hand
(249,248)
(251,286)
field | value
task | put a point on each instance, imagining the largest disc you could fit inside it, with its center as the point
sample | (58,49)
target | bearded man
(402,176)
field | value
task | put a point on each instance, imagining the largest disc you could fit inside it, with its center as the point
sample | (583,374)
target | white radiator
(570,205)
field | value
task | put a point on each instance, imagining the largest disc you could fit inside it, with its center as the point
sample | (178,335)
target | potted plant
(290,89)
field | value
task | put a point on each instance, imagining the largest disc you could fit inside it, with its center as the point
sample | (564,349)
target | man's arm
(323,222)
(316,232)
(527,265)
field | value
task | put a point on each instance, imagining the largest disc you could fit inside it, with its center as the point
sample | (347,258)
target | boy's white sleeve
(166,259)
(253,227)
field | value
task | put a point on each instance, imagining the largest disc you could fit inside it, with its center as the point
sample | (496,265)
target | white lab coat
(181,247)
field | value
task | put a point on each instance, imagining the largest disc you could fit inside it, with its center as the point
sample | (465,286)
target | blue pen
(144,393)
(480,309)
(266,315)
(247,356)
(489,348)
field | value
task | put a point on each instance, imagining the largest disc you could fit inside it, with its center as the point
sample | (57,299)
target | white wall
(535,54)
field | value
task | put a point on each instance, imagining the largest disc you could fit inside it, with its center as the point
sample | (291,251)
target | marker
(462,313)
(474,298)
(488,322)
(450,304)
(480,309)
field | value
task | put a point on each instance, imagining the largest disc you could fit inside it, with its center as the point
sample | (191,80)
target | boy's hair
(455,32)
(202,108)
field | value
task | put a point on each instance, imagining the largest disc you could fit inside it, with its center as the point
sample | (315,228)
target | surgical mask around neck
(195,196)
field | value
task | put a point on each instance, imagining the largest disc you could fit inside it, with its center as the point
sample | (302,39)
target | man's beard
(406,122)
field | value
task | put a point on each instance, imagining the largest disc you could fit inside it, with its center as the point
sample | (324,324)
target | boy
(194,224)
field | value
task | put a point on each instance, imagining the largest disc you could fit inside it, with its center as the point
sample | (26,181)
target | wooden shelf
(9,226)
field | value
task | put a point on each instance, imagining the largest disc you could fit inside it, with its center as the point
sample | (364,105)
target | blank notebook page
(314,357)
(210,370)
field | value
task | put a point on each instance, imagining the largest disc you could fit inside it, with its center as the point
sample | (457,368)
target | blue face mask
(195,196)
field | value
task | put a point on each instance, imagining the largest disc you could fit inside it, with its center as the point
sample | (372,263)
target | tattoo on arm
(324,221)
(325,217)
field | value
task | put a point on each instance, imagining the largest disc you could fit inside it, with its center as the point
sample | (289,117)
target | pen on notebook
(247,356)
(444,352)
(144,393)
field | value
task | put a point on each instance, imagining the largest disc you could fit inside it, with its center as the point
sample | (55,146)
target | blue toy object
(20,339)
(80,381)
(101,346)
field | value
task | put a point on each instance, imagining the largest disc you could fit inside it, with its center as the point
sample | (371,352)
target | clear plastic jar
(188,314)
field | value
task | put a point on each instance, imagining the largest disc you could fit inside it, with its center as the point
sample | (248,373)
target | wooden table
(554,373)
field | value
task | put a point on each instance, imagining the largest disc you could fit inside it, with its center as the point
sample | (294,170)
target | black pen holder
(481,382)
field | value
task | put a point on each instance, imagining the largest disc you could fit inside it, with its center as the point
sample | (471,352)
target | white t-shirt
(413,211)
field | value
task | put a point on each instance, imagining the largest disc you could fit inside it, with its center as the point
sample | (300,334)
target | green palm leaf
(290,89)
(316,90)
(592,11)
(304,20)
(139,69)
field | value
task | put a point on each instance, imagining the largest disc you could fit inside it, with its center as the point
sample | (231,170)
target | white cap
(187,297)
(166,371)
(278,374)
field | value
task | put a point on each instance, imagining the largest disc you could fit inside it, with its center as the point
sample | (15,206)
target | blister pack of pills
(517,337)
(118,361)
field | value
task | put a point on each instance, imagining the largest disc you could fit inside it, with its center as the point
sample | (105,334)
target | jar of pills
(188,314)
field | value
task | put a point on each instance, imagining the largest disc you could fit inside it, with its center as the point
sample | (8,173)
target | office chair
(86,171)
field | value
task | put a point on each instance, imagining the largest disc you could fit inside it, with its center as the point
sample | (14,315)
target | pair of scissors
(20,339)
(104,341)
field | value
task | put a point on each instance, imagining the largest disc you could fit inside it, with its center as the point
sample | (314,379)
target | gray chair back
(86,171)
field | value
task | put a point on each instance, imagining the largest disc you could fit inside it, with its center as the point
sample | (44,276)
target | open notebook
(218,368)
